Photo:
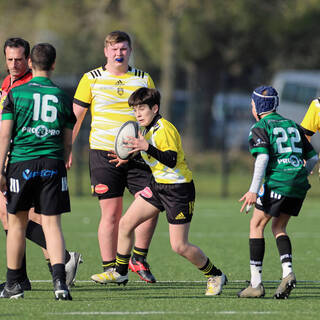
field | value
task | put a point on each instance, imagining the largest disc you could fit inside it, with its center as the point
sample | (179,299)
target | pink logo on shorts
(146,192)
(101,188)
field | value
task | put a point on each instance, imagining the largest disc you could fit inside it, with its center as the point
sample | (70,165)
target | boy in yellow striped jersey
(105,91)
(171,189)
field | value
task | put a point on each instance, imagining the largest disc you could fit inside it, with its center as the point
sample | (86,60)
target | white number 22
(48,112)
(283,138)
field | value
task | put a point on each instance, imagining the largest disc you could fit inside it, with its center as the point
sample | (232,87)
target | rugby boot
(215,284)
(61,291)
(24,284)
(72,268)
(12,292)
(251,292)
(110,276)
(142,269)
(286,285)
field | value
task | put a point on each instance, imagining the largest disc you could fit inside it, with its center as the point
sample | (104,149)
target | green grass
(218,228)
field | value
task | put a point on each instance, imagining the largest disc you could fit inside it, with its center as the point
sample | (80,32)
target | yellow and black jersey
(107,97)
(164,136)
(311,121)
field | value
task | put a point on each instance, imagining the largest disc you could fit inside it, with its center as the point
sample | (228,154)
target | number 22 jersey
(285,143)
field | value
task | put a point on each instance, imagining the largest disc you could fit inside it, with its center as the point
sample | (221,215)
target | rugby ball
(128,129)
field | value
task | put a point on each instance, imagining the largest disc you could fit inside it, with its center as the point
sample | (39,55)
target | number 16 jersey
(285,143)
(40,111)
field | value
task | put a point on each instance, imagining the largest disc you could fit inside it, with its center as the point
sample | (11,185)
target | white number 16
(48,112)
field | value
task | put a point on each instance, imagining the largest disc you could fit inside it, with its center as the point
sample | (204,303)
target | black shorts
(39,183)
(109,181)
(177,199)
(274,204)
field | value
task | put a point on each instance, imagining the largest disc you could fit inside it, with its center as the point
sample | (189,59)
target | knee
(109,218)
(257,224)
(179,248)
(125,226)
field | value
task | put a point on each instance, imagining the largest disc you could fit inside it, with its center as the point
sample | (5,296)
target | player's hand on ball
(248,199)
(115,159)
(137,144)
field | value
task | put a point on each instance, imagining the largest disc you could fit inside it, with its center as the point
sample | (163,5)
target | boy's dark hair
(43,56)
(145,96)
(116,37)
(16,43)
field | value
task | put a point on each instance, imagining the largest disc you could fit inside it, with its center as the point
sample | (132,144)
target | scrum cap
(265,103)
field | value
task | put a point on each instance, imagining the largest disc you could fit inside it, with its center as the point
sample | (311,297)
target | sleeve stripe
(308,132)
(81,103)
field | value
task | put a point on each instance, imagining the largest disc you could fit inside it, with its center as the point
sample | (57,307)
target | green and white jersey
(285,143)
(40,111)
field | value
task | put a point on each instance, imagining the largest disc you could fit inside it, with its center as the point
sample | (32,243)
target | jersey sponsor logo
(146,192)
(41,131)
(259,202)
(293,160)
(261,191)
(180,216)
(259,142)
(101,188)
(14,185)
(45,173)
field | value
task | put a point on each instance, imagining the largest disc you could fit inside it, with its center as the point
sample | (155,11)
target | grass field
(218,228)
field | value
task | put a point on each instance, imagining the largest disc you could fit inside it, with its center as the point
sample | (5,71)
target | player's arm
(80,113)
(5,138)
(168,157)
(260,166)
(81,102)
(67,143)
(259,147)
(311,121)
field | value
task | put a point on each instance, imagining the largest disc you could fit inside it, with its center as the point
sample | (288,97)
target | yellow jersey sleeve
(151,83)
(83,92)
(311,119)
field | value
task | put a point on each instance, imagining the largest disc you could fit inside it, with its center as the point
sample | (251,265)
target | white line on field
(115,313)
(186,281)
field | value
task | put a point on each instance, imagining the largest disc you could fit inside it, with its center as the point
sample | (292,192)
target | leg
(16,240)
(111,210)
(288,282)
(258,223)
(137,214)
(35,234)
(144,232)
(17,224)
(138,262)
(36,218)
(56,249)
(54,238)
(181,245)
(24,281)
(139,211)
(3,211)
